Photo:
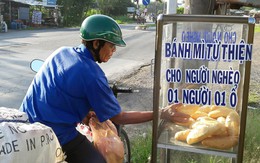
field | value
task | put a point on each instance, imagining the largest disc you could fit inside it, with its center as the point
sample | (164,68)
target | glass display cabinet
(202,62)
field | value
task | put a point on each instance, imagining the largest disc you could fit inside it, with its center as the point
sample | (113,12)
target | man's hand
(86,119)
(170,113)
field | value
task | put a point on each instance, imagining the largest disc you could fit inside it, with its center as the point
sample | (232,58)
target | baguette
(222,131)
(222,120)
(205,108)
(201,121)
(233,123)
(202,131)
(186,124)
(224,142)
(212,126)
(219,111)
(182,135)
(198,114)
(188,109)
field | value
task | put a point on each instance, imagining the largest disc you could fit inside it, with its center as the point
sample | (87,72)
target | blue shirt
(67,86)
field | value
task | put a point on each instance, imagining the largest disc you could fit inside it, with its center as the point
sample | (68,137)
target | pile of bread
(212,126)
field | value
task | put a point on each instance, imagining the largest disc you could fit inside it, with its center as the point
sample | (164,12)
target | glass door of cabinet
(204,63)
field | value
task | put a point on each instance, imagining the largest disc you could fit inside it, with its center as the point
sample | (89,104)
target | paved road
(19,48)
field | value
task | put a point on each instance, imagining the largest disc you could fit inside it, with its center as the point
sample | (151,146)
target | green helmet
(101,27)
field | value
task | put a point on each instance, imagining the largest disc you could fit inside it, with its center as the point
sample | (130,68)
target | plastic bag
(107,141)
(85,130)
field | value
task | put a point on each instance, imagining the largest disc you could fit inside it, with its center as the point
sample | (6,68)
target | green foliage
(180,10)
(92,12)
(123,19)
(254,96)
(155,7)
(252,138)
(257,28)
(254,99)
(45,12)
(109,7)
(105,6)
(190,157)
(141,148)
(73,11)
(246,8)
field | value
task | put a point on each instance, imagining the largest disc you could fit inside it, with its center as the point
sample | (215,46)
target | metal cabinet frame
(171,19)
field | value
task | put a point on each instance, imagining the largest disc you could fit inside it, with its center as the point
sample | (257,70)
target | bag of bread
(107,141)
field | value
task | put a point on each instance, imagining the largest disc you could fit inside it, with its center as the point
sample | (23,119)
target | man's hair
(89,44)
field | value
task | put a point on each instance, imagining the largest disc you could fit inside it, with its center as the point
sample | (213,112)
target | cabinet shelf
(167,141)
(197,150)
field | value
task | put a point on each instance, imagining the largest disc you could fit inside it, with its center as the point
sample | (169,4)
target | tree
(114,7)
(73,11)
(156,7)
(105,6)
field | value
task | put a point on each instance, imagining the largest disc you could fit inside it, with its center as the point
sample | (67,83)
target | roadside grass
(252,138)
(254,100)
(257,28)
(123,19)
(254,94)
(151,25)
(141,147)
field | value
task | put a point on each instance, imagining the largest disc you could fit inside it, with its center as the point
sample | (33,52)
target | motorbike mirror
(36,64)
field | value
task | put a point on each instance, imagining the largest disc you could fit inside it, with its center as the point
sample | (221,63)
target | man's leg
(81,150)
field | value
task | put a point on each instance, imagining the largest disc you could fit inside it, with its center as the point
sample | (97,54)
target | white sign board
(130,9)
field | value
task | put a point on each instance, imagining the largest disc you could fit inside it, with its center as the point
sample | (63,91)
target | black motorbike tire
(126,142)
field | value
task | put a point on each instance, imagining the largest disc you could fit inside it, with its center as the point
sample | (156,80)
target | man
(71,83)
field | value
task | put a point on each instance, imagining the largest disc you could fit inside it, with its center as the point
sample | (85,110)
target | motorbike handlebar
(118,89)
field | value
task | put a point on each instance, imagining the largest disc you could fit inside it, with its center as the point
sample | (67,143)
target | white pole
(171,6)
(171,9)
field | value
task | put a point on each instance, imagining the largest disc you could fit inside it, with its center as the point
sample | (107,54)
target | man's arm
(132,117)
